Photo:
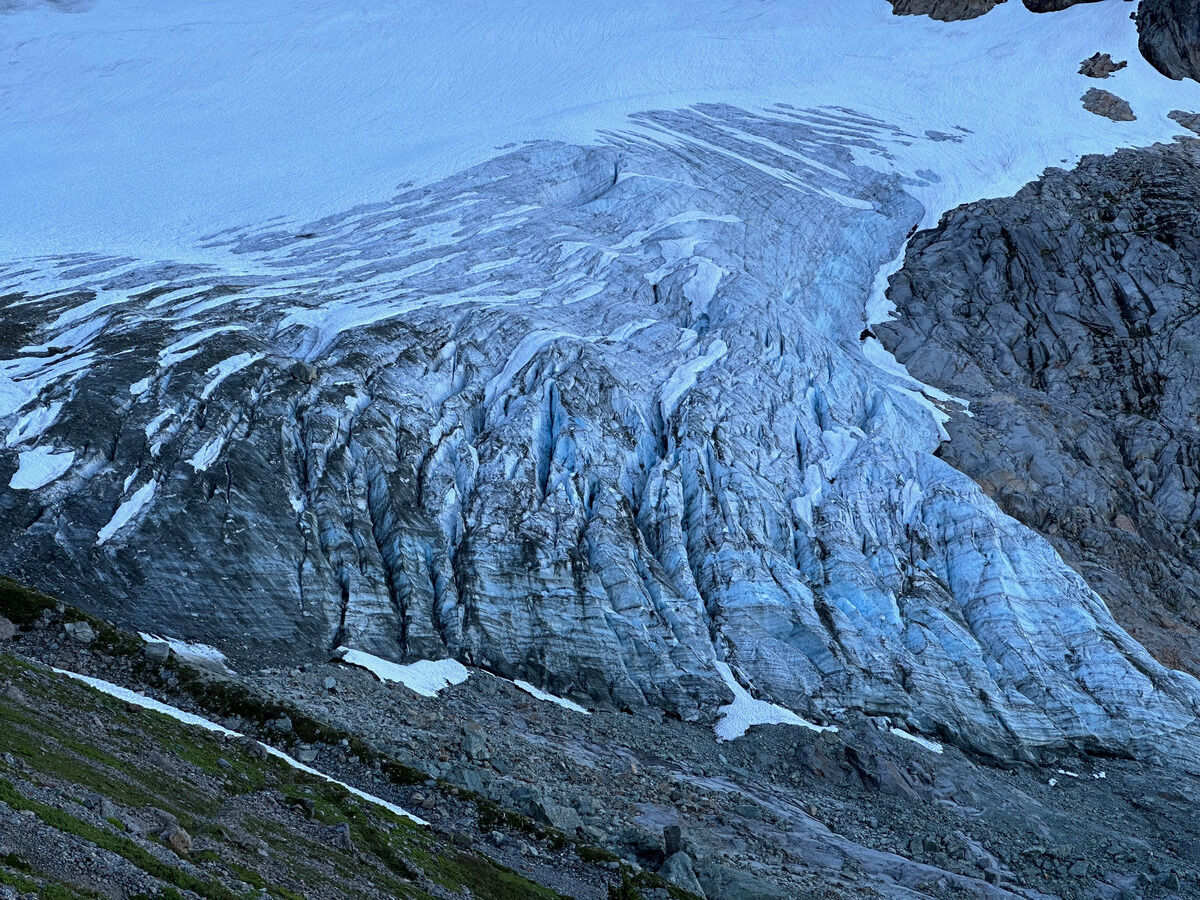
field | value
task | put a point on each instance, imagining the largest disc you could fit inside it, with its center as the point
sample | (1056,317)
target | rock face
(1066,316)
(957,10)
(1169,36)
(1107,104)
(1045,6)
(944,10)
(1190,121)
(601,417)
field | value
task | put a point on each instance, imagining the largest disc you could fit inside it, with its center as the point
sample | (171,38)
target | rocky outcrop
(1108,104)
(1067,317)
(601,417)
(1045,6)
(957,10)
(1190,121)
(944,10)
(1169,36)
(1100,65)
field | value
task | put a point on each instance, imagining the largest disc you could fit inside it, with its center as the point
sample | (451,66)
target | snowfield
(139,126)
(425,677)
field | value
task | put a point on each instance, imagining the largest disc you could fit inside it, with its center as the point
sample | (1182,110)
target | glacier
(601,411)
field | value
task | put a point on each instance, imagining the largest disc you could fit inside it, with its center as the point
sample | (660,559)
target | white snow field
(738,717)
(539,694)
(139,126)
(425,677)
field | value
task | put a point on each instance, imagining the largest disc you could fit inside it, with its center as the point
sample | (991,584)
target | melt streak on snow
(187,718)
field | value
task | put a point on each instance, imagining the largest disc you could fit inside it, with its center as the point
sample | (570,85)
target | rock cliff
(1169,37)
(1067,317)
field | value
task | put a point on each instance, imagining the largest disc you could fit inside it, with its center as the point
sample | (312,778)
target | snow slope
(138,126)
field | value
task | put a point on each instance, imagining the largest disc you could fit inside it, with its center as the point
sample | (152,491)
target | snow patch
(126,511)
(745,712)
(31,425)
(550,698)
(38,467)
(426,677)
(932,746)
(683,379)
(207,455)
(225,368)
(201,654)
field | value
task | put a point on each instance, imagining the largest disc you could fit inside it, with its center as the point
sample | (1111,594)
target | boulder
(178,840)
(1045,6)
(678,870)
(1100,65)
(1107,104)
(80,632)
(944,10)
(156,652)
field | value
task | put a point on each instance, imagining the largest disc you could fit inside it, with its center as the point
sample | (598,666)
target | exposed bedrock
(1045,6)
(957,10)
(944,10)
(598,416)
(1067,317)
(1169,36)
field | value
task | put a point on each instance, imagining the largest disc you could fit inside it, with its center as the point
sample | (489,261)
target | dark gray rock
(944,10)
(1101,65)
(156,652)
(728,883)
(1066,316)
(678,870)
(957,10)
(562,817)
(8,630)
(340,837)
(1169,36)
(1190,121)
(1044,6)
(672,839)
(1107,104)
(475,747)
(80,632)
